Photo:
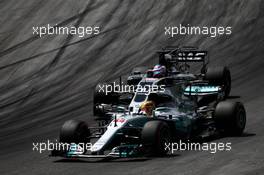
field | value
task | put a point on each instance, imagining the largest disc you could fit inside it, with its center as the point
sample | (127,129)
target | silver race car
(184,109)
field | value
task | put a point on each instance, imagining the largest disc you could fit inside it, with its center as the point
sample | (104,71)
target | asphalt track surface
(46,81)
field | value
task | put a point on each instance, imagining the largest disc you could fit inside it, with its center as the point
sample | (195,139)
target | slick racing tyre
(230,117)
(154,136)
(74,131)
(219,76)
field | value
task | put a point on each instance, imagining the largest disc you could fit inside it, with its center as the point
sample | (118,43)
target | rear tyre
(230,117)
(154,136)
(219,76)
(74,131)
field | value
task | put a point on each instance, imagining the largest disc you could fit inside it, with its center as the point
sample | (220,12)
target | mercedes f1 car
(177,62)
(189,107)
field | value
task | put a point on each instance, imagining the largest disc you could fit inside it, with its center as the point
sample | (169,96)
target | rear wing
(191,56)
(174,54)
(183,54)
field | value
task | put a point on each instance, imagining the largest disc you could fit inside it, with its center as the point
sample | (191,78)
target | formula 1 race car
(177,61)
(172,113)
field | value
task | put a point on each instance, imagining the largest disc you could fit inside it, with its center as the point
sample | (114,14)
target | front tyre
(155,135)
(74,131)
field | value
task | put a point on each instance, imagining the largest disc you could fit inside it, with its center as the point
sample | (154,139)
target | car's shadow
(233,97)
(246,134)
(221,136)
(113,160)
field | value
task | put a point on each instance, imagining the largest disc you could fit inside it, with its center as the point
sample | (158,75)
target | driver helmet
(159,71)
(147,107)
